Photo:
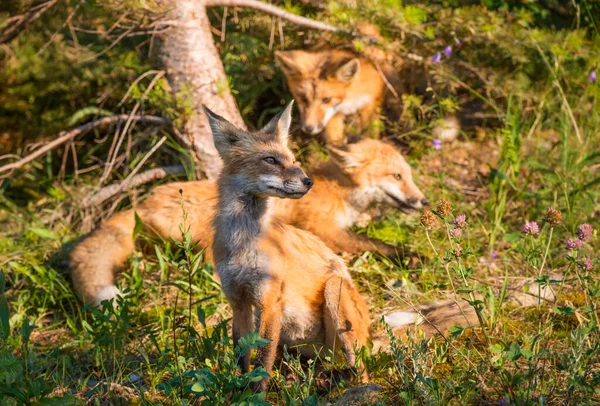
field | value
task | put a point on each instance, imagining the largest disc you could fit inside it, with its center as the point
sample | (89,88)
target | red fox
(300,291)
(330,85)
(356,177)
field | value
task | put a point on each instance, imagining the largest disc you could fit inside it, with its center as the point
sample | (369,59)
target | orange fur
(300,292)
(330,85)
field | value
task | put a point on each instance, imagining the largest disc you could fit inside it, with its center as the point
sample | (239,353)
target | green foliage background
(518,77)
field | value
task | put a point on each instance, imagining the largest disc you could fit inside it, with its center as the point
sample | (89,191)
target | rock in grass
(362,395)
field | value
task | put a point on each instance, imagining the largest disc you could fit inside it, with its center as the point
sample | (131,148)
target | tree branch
(277,12)
(11,31)
(135,181)
(68,135)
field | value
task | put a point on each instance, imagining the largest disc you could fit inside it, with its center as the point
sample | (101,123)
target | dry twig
(17,24)
(135,181)
(68,135)
(276,11)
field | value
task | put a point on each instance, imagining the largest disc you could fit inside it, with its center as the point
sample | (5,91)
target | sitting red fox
(330,85)
(358,176)
(299,290)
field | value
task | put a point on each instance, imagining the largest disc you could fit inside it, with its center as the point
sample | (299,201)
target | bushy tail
(435,318)
(94,259)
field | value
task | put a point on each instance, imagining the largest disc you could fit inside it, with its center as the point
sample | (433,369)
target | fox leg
(271,314)
(334,131)
(243,323)
(346,319)
(340,240)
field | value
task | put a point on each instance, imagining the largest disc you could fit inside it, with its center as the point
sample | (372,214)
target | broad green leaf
(42,232)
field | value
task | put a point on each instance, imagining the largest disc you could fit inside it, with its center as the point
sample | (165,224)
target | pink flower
(448,51)
(531,227)
(586,264)
(573,244)
(585,231)
(455,233)
(592,78)
(437,144)
(460,221)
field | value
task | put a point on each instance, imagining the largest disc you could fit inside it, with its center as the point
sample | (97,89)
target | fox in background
(354,178)
(329,86)
(333,85)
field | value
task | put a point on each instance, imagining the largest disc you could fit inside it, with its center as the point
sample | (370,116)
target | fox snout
(312,129)
(296,182)
(417,203)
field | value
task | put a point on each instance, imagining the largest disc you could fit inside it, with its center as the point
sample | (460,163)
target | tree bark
(193,64)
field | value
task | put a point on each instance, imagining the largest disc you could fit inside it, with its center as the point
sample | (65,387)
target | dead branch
(276,11)
(135,181)
(19,23)
(68,135)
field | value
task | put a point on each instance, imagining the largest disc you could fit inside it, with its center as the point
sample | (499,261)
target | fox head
(260,163)
(319,83)
(379,174)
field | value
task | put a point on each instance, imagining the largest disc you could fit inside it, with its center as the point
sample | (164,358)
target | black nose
(308,182)
(425,202)
(308,128)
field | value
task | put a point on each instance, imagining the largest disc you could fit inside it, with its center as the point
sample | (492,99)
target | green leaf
(455,331)
(527,354)
(42,232)
(198,387)
(4,318)
(2,282)
(85,112)
(139,226)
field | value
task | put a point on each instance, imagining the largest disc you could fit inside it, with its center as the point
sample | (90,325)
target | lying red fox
(358,176)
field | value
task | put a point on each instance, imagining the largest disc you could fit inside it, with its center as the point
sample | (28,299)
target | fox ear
(287,61)
(348,71)
(345,159)
(224,133)
(280,124)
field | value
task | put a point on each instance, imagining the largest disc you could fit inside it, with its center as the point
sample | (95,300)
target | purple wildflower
(460,221)
(592,78)
(531,227)
(436,58)
(585,231)
(573,244)
(455,233)
(448,51)
(457,41)
(437,144)
(494,255)
(586,264)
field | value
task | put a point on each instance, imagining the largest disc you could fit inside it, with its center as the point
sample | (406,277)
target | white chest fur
(351,106)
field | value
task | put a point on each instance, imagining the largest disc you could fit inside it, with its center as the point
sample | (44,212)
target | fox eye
(270,160)
(397,176)
(326,100)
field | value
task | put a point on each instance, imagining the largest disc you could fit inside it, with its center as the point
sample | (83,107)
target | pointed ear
(348,71)
(280,124)
(224,133)
(288,61)
(345,159)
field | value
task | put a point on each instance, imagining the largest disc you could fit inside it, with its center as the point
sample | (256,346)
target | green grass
(168,340)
